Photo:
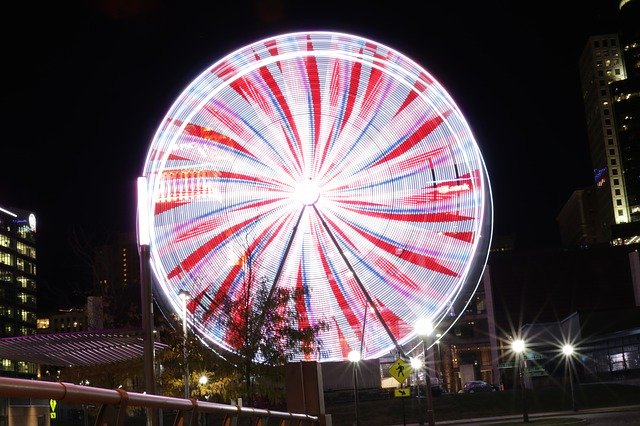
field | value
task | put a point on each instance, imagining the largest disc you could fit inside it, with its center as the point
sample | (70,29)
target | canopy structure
(76,349)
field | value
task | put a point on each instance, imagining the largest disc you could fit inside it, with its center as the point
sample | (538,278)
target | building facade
(610,81)
(117,281)
(18,288)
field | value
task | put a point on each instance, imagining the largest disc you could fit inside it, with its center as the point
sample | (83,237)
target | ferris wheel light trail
(362,287)
(307,192)
(333,164)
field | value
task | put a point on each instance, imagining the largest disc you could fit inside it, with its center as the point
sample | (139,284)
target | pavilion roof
(76,348)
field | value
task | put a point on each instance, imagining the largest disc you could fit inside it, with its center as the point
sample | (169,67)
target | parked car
(478,386)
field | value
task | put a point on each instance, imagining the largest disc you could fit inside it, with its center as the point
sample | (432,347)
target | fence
(114,403)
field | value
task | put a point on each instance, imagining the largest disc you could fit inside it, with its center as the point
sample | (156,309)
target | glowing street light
(185,295)
(354,357)
(424,328)
(567,351)
(518,346)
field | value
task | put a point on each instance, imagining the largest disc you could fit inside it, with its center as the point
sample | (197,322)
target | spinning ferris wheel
(343,166)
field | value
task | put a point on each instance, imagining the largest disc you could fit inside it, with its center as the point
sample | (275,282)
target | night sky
(86,84)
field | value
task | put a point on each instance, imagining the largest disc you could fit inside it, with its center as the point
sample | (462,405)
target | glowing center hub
(307,192)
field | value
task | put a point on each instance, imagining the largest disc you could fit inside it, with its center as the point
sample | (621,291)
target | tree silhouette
(265,330)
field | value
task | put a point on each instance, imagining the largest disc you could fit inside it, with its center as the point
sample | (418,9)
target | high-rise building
(117,275)
(18,291)
(610,80)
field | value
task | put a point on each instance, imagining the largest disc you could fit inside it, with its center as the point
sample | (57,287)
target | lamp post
(518,346)
(424,328)
(146,299)
(416,365)
(354,357)
(185,295)
(567,350)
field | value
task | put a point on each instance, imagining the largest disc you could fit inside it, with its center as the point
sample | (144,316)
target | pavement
(625,415)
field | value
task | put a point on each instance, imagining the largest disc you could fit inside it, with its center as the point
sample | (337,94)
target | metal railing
(113,404)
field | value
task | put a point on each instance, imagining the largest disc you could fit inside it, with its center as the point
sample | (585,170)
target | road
(629,416)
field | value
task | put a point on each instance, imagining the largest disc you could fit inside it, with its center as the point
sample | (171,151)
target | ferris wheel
(340,164)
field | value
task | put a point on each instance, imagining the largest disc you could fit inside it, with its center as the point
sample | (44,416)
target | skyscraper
(610,80)
(18,291)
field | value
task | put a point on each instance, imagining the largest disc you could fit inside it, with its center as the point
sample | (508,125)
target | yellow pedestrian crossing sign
(400,370)
(52,408)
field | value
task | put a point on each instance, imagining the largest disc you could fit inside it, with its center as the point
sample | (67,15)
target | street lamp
(567,350)
(424,328)
(354,357)
(416,365)
(185,295)
(146,298)
(203,380)
(518,346)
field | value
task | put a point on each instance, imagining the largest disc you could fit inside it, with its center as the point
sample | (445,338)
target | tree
(265,331)
(204,361)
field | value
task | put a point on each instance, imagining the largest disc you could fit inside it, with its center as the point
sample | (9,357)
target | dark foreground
(376,408)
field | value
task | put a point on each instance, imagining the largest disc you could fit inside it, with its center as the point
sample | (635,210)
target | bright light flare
(567,350)
(416,363)
(424,327)
(518,346)
(354,356)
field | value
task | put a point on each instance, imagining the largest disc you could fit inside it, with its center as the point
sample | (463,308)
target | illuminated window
(6,365)
(26,283)
(5,241)
(6,258)
(617,362)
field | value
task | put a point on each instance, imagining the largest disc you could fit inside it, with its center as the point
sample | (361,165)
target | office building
(18,290)
(117,275)
(610,81)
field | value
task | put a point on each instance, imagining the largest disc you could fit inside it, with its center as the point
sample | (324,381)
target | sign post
(401,370)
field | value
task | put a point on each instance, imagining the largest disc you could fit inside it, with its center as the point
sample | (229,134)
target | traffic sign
(400,370)
(402,392)
(52,408)
(534,355)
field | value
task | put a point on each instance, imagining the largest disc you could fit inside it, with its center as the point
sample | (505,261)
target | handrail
(69,392)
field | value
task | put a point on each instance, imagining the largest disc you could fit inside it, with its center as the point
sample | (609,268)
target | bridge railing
(113,404)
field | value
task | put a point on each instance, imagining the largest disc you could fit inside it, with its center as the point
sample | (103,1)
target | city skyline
(87,97)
